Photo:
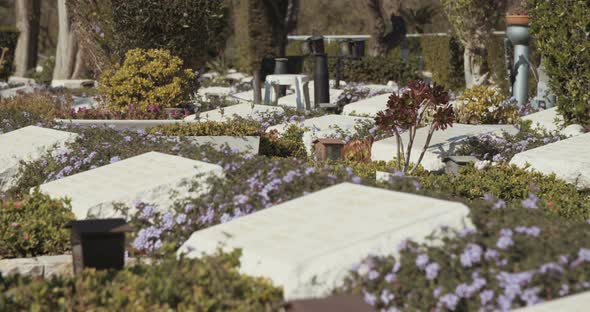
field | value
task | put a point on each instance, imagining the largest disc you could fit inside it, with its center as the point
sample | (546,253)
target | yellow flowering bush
(485,105)
(147,80)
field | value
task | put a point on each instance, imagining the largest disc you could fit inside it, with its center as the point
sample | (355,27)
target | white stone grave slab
(569,159)
(573,303)
(210,75)
(12,92)
(309,244)
(443,143)
(244,110)
(149,177)
(27,144)
(216,91)
(247,144)
(73,83)
(19,80)
(367,107)
(323,127)
(381,88)
(545,119)
(236,76)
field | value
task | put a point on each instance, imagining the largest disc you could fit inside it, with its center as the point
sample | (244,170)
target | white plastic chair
(300,82)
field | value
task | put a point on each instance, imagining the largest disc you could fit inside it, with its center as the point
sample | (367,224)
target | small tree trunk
(378,31)
(476,65)
(28,16)
(66,53)
(80,67)
(257,87)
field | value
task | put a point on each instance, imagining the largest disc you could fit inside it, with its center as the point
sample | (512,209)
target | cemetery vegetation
(34,226)
(379,70)
(409,111)
(501,148)
(8,39)
(354,92)
(195,30)
(510,183)
(485,105)
(147,80)
(212,283)
(515,255)
(560,29)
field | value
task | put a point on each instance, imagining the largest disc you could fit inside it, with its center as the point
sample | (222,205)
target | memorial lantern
(98,243)
(453,163)
(328,149)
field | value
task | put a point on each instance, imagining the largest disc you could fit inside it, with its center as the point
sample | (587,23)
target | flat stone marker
(217,91)
(545,119)
(381,88)
(323,127)
(367,107)
(12,92)
(248,144)
(573,303)
(148,177)
(569,159)
(73,83)
(443,143)
(309,244)
(27,144)
(244,110)
(236,76)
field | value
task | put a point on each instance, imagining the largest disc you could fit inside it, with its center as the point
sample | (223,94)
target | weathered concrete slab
(242,110)
(216,91)
(74,83)
(546,119)
(149,177)
(367,107)
(12,92)
(573,303)
(27,144)
(569,159)
(443,143)
(309,244)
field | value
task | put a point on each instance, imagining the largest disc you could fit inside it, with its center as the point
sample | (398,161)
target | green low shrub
(560,29)
(443,56)
(378,70)
(510,183)
(34,226)
(288,144)
(485,105)
(8,39)
(147,80)
(31,109)
(238,127)
(212,283)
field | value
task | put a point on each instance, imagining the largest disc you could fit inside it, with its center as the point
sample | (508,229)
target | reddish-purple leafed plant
(408,111)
